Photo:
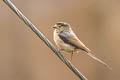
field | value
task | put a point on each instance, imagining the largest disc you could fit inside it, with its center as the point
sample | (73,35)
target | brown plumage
(66,40)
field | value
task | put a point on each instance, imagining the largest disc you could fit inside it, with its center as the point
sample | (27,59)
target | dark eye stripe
(62,24)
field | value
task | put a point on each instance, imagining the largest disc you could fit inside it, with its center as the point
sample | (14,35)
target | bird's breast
(61,44)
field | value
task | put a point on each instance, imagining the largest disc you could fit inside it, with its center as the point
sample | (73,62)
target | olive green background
(23,56)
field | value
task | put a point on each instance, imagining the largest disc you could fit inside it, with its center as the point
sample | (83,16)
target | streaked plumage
(66,40)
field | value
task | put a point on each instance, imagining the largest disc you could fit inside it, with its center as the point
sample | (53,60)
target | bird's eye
(59,25)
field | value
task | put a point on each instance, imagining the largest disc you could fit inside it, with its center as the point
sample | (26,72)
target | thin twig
(44,39)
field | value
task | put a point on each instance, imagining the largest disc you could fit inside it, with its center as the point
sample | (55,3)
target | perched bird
(67,41)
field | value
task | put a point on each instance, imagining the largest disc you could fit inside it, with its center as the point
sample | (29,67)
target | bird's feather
(73,41)
(95,58)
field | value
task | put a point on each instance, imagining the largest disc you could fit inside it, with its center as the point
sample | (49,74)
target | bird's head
(61,26)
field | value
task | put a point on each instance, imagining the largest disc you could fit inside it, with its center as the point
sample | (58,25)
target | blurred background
(23,56)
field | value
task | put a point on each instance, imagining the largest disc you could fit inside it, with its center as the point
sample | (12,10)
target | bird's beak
(55,27)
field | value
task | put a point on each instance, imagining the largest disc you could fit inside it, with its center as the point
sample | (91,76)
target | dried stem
(44,39)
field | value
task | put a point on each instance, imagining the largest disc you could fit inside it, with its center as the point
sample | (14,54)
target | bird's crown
(62,24)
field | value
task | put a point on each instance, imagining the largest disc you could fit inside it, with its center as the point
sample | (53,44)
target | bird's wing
(71,39)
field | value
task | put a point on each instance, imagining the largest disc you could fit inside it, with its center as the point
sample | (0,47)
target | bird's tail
(95,58)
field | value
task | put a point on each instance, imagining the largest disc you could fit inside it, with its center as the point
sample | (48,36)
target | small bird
(67,41)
